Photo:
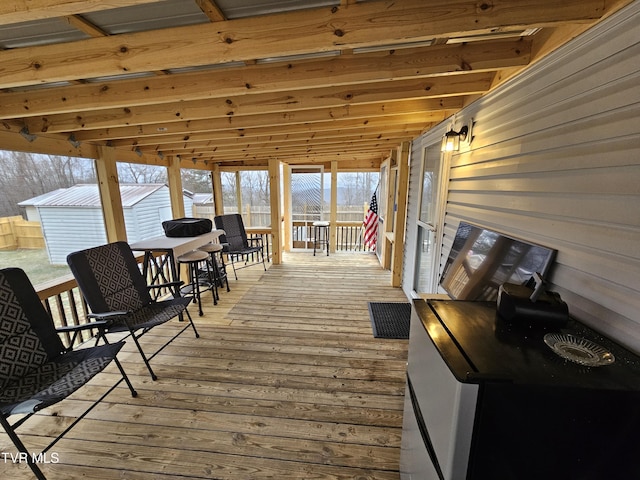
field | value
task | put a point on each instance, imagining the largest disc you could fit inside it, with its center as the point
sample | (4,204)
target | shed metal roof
(88,195)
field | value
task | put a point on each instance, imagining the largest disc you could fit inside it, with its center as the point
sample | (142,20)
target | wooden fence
(16,232)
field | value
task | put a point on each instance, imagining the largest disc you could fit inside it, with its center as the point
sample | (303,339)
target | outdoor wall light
(451,139)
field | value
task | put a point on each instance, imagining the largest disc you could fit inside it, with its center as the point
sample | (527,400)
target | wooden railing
(348,236)
(64,302)
(267,238)
(66,305)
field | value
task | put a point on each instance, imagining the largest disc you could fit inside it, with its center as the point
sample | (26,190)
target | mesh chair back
(109,278)
(27,336)
(234,232)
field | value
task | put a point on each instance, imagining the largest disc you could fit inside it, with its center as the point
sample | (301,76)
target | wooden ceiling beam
(265,78)
(211,10)
(298,132)
(281,142)
(346,162)
(379,150)
(85,26)
(336,140)
(363,24)
(271,150)
(364,113)
(345,124)
(260,104)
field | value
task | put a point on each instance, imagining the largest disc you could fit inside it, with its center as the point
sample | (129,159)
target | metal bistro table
(172,248)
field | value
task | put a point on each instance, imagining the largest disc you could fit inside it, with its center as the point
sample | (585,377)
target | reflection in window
(430,180)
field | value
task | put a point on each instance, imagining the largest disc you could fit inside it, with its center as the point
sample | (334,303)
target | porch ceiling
(237,82)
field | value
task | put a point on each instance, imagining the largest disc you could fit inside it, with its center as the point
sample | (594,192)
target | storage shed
(72,219)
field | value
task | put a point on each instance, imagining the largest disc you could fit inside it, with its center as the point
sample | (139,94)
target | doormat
(390,320)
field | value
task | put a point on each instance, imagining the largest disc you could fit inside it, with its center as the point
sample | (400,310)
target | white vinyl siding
(144,219)
(555,159)
(68,228)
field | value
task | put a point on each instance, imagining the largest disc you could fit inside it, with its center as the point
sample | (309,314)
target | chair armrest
(177,283)
(106,316)
(76,329)
(255,239)
(84,326)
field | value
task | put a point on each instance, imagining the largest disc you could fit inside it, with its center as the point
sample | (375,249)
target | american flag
(371,224)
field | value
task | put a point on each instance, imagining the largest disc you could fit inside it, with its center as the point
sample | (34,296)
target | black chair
(116,291)
(235,242)
(36,369)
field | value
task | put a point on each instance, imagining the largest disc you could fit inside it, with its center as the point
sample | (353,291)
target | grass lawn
(34,262)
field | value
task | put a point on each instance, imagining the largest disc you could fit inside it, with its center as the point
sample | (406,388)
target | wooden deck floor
(286,382)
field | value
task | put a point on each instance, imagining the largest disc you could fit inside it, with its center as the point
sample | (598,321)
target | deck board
(286,382)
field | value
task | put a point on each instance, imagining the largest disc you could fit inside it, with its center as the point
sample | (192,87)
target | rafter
(336,130)
(303,100)
(298,140)
(345,82)
(85,26)
(264,78)
(300,32)
(211,10)
(363,113)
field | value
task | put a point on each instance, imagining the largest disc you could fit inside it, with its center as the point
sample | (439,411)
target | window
(425,273)
(248,192)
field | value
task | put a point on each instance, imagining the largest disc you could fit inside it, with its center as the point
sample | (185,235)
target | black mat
(390,320)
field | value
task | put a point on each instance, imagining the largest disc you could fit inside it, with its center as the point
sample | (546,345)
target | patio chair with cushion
(235,242)
(36,369)
(115,290)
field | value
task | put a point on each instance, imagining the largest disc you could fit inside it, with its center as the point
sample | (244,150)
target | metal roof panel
(252,8)
(150,16)
(88,196)
(38,32)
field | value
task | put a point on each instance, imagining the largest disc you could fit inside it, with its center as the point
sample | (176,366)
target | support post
(400,214)
(288,218)
(109,187)
(276,214)
(333,215)
(216,185)
(239,191)
(175,188)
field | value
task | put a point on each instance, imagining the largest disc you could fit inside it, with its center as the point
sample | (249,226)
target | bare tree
(228,180)
(196,181)
(28,175)
(255,187)
(136,173)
